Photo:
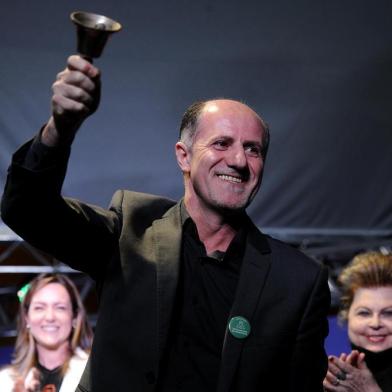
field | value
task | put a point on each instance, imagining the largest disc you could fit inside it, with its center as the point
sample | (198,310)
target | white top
(71,379)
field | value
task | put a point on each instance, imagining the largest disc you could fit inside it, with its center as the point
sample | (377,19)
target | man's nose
(237,158)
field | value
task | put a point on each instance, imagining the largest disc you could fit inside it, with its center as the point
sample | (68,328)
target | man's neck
(215,230)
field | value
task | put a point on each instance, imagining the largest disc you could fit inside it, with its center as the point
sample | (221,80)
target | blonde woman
(53,341)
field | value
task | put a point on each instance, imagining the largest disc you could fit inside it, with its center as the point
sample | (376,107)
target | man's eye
(363,313)
(253,150)
(220,144)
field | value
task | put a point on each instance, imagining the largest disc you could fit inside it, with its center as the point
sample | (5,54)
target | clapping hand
(349,373)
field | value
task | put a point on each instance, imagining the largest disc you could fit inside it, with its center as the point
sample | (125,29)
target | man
(192,296)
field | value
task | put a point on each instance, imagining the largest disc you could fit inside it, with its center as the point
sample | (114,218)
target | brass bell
(92,32)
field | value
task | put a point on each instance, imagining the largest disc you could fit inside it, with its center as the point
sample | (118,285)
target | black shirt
(205,296)
(51,379)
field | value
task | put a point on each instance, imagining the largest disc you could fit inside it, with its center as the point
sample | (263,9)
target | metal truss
(20,262)
(336,252)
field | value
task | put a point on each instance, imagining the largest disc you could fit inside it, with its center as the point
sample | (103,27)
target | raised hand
(76,95)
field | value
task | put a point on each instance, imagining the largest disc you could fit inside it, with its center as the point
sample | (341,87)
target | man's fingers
(73,93)
(76,95)
(75,78)
(62,105)
(78,63)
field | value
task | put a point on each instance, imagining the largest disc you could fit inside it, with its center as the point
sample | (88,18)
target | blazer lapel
(254,271)
(167,244)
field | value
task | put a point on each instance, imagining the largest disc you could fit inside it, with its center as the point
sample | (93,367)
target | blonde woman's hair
(370,269)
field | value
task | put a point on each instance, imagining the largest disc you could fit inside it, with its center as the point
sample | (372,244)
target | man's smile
(230,178)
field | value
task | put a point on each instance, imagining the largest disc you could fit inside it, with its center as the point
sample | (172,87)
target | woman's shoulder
(6,370)
(80,355)
(76,367)
(78,360)
(7,378)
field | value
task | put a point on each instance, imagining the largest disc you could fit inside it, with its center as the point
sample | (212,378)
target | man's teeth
(230,178)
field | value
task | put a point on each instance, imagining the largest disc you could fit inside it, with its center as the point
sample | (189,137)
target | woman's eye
(363,313)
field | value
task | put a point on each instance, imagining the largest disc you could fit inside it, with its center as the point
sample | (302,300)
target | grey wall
(319,72)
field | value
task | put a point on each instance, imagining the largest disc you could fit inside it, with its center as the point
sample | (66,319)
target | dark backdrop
(319,72)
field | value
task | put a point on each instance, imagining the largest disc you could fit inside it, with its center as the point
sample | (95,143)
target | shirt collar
(236,248)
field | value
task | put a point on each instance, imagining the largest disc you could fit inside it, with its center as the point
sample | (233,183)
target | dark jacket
(133,251)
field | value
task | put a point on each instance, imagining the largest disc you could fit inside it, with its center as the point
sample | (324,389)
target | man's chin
(232,208)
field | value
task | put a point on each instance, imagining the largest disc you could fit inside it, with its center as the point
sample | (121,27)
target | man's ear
(183,156)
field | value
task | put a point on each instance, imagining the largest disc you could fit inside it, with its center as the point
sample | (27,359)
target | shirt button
(150,377)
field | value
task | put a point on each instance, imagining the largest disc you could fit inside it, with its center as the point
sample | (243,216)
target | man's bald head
(192,115)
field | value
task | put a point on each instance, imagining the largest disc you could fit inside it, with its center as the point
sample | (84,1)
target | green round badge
(239,327)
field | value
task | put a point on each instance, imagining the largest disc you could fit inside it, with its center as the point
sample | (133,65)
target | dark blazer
(133,249)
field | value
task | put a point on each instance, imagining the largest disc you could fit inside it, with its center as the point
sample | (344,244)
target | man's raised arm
(32,204)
